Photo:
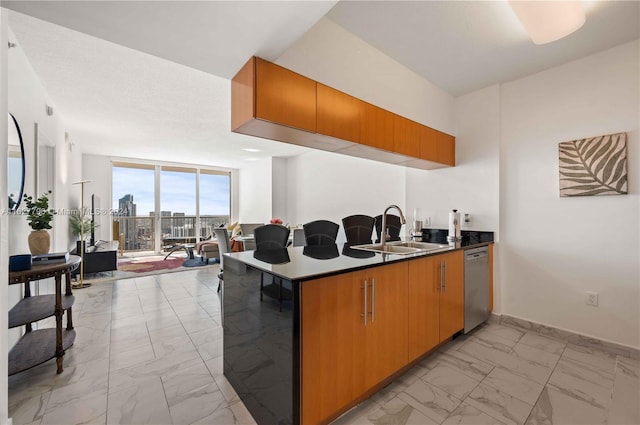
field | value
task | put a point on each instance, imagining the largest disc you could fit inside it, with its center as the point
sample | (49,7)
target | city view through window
(182,215)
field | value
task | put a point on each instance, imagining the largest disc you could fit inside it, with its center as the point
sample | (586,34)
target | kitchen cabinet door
(339,115)
(333,344)
(427,140)
(377,128)
(284,97)
(406,137)
(451,276)
(386,330)
(445,148)
(424,312)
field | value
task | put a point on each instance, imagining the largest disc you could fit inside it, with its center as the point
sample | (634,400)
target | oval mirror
(16,164)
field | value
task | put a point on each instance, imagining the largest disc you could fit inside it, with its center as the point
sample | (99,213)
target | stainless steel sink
(422,246)
(401,248)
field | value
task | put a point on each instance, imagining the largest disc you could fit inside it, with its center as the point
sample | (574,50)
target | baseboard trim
(565,335)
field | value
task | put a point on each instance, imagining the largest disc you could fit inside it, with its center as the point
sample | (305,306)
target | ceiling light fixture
(251,150)
(548,21)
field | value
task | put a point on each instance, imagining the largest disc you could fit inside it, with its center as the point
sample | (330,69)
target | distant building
(126,206)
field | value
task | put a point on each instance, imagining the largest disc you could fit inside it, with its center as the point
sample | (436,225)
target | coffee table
(186,247)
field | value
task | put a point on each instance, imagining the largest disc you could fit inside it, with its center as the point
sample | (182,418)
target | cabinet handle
(373,300)
(365,302)
(441,275)
(445,276)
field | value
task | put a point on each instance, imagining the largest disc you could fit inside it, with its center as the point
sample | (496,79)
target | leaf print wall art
(595,166)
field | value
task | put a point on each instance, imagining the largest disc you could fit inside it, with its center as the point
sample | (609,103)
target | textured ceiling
(118,101)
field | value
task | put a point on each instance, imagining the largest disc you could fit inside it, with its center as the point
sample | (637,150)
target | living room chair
(321,232)
(248,229)
(224,246)
(272,237)
(394,225)
(207,248)
(298,237)
(358,228)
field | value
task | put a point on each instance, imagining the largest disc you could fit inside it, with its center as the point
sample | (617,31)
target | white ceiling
(118,101)
(173,102)
(217,37)
(462,46)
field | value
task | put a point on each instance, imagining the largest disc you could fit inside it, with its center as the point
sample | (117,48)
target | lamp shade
(547,21)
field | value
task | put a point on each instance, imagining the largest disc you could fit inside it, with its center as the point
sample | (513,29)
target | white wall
(472,185)
(280,180)
(4,240)
(332,186)
(97,168)
(333,56)
(255,191)
(27,102)
(325,185)
(555,249)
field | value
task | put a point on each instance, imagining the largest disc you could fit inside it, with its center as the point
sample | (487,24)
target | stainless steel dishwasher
(476,287)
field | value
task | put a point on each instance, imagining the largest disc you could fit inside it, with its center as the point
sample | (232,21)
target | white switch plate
(466,220)
(592,298)
(427,221)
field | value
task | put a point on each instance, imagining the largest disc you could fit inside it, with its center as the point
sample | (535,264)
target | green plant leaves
(595,166)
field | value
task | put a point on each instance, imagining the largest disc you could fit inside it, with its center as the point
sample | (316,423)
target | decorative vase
(39,242)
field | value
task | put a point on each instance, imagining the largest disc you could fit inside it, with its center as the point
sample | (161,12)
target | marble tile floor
(149,351)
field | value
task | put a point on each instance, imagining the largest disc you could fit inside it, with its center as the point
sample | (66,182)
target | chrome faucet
(384,234)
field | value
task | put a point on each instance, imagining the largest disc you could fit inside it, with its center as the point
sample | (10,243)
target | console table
(38,346)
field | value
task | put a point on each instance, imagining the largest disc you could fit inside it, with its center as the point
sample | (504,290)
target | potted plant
(81,227)
(39,217)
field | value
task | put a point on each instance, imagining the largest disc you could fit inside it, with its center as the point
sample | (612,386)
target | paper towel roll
(454,225)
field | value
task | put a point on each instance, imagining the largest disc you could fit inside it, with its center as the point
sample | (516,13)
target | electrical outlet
(466,220)
(592,298)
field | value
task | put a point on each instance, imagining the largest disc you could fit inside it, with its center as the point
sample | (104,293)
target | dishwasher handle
(476,254)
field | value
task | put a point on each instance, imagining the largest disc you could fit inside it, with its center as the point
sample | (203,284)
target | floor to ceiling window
(159,206)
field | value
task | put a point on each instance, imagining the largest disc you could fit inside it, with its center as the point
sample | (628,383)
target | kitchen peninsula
(351,321)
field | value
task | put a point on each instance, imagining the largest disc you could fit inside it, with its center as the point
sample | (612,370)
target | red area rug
(145,265)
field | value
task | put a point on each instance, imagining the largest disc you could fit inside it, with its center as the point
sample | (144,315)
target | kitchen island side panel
(261,346)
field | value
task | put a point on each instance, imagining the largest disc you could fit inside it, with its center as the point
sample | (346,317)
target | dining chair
(222,235)
(272,237)
(394,225)
(358,228)
(321,232)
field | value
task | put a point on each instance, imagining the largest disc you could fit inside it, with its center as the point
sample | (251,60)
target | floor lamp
(82,248)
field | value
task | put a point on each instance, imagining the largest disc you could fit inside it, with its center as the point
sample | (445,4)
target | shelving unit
(38,346)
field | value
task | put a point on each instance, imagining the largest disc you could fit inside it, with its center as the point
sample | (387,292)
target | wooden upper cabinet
(243,95)
(338,114)
(406,136)
(275,103)
(427,141)
(377,128)
(445,148)
(284,97)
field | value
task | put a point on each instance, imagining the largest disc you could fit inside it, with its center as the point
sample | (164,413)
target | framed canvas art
(593,167)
